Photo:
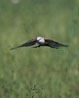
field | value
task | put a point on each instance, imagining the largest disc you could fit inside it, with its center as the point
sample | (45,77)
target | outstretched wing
(27,44)
(54,44)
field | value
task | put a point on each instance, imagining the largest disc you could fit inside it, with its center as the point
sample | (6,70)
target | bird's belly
(40,43)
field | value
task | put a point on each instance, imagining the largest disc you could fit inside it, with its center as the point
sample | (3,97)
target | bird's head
(41,39)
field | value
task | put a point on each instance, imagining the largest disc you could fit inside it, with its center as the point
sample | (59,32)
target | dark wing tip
(12,48)
(65,45)
(15,47)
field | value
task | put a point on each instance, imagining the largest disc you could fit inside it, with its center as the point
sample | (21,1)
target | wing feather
(54,44)
(27,44)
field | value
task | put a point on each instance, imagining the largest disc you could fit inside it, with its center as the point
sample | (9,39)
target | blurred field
(43,72)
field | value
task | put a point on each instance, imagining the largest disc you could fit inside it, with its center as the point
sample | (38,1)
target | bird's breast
(41,41)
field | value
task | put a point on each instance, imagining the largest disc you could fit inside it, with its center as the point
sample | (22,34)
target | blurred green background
(43,72)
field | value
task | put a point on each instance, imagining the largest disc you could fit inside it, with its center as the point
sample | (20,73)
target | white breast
(40,39)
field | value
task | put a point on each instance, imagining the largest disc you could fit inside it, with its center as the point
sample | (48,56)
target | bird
(41,41)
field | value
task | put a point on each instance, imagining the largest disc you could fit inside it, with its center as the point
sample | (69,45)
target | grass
(43,72)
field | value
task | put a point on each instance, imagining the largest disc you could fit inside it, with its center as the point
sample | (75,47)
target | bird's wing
(54,44)
(28,43)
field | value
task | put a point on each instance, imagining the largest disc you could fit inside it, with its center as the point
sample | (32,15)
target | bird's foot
(56,48)
(36,46)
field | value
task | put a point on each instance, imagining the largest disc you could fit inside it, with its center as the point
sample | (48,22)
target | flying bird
(41,41)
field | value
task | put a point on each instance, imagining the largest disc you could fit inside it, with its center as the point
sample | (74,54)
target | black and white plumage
(41,42)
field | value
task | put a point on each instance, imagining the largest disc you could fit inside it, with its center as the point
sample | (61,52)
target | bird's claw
(36,46)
